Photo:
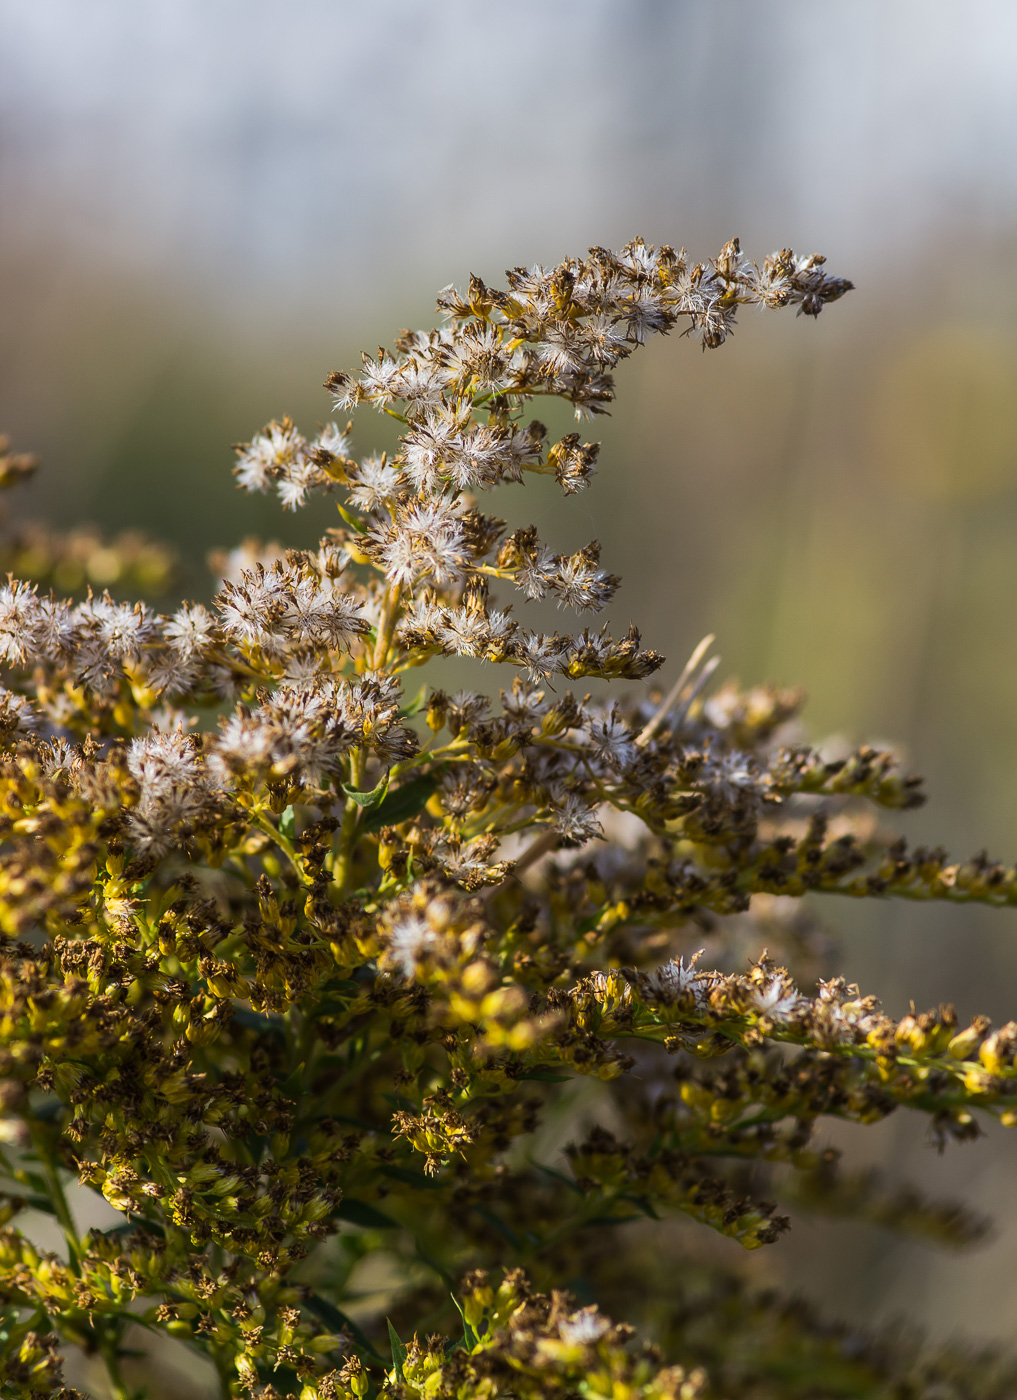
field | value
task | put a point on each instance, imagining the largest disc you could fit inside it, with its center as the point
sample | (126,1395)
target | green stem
(348,830)
(108,1350)
(107,1342)
(283,842)
(573,1225)
(234,663)
(225,1373)
(453,749)
(367,1056)
(61,1209)
(386,625)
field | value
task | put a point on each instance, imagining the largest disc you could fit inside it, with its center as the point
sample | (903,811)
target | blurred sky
(317,147)
(206,205)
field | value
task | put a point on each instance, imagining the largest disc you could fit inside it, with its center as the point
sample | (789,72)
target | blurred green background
(205,208)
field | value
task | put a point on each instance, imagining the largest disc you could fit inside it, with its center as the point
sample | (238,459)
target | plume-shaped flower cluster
(299,962)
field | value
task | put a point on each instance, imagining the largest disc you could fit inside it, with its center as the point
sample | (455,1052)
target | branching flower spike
(381,1014)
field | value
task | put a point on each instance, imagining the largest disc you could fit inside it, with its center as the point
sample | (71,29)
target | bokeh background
(206,205)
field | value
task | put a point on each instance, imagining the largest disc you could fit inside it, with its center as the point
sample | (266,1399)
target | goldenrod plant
(377,1011)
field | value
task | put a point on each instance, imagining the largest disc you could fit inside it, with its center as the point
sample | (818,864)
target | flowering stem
(105,1339)
(348,829)
(110,1355)
(283,842)
(386,625)
(425,754)
(237,664)
(58,1198)
(544,843)
(224,1371)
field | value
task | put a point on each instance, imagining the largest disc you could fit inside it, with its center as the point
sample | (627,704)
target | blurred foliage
(71,561)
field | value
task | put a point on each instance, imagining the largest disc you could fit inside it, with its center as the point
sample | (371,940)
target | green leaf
(42,1203)
(568,1181)
(255,1021)
(48,1111)
(415,1179)
(337,1321)
(398,1350)
(434,1264)
(293,1083)
(416,704)
(545,1074)
(38,1183)
(352,521)
(493,1220)
(642,1204)
(470,1338)
(332,1006)
(334,996)
(367,800)
(28,1200)
(8,1323)
(401,1102)
(340,984)
(288,823)
(365,1215)
(403,803)
(135,1222)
